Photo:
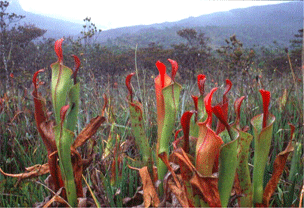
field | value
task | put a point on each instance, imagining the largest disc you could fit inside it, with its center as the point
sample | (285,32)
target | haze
(120,13)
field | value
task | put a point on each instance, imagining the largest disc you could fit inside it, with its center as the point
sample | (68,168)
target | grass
(21,146)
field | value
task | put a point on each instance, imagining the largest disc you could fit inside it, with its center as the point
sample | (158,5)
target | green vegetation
(113,131)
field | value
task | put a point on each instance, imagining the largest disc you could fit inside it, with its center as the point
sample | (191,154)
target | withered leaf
(278,167)
(77,169)
(150,195)
(47,135)
(56,198)
(88,131)
(180,193)
(185,163)
(41,117)
(104,105)
(32,171)
(207,187)
(55,170)
(163,156)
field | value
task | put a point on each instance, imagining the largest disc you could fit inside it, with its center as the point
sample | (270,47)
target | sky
(109,14)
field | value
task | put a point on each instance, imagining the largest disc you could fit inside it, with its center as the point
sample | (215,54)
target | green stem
(171,99)
(262,142)
(64,141)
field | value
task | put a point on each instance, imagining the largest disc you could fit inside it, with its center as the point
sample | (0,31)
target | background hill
(259,25)
(56,28)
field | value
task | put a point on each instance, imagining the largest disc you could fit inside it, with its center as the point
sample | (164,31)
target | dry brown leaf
(34,167)
(180,193)
(41,117)
(55,170)
(88,131)
(185,163)
(104,105)
(77,169)
(150,195)
(47,135)
(175,186)
(207,187)
(34,171)
(56,198)
(278,167)
(163,156)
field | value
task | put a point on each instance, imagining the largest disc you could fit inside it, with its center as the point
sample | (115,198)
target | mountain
(56,28)
(258,25)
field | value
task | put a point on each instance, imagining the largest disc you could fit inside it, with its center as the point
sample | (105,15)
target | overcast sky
(108,14)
